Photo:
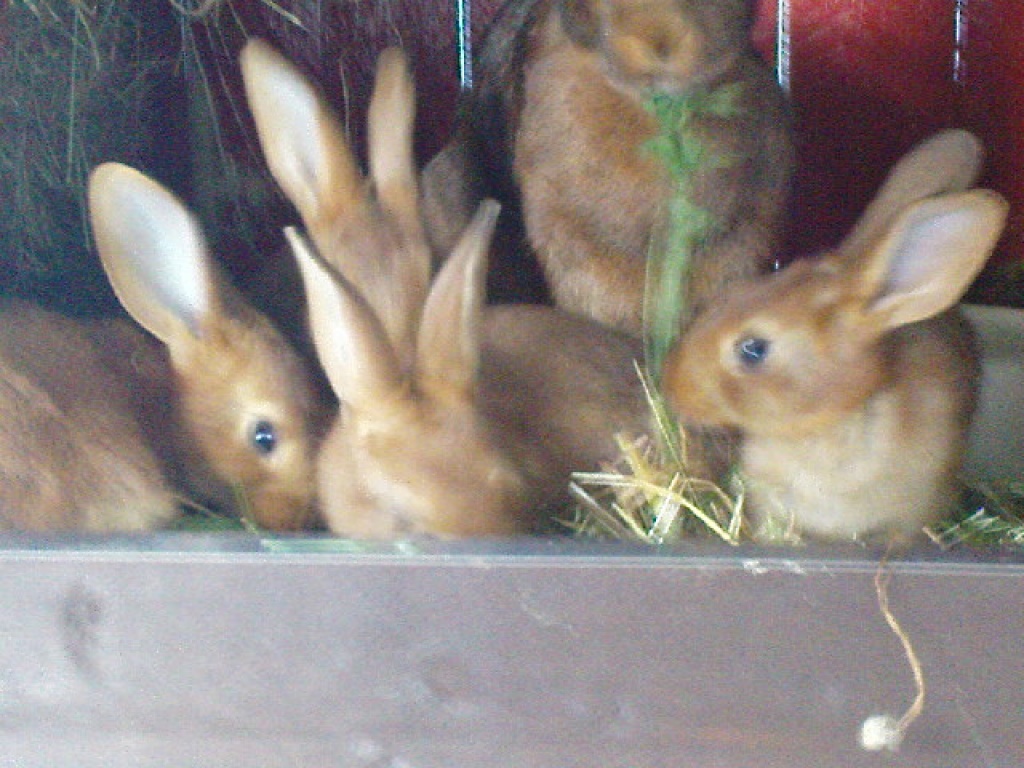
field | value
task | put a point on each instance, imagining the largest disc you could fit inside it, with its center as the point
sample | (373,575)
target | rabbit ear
(949,161)
(930,255)
(351,344)
(391,118)
(392,167)
(448,345)
(153,251)
(302,140)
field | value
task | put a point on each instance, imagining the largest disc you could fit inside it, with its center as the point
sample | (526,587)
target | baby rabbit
(74,454)
(850,376)
(223,401)
(557,126)
(306,150)
(455,419)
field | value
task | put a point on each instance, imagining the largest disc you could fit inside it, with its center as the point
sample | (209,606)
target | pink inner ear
(932,255)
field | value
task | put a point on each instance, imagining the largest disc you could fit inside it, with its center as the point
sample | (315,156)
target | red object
(868,80)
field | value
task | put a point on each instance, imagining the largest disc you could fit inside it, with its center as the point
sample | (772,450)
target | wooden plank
(184,651)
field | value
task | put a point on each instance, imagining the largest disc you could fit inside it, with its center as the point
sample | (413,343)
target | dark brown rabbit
(852,377)
(555,128)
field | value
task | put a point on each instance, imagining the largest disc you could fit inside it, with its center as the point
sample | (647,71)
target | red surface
(994,106)
(868,79)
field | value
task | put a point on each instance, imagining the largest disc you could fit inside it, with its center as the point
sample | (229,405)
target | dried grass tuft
(649,494)
(992,518)
(74,82)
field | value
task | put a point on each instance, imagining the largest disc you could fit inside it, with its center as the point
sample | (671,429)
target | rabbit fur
(73,454)
(853,376)
(555,128)
(456,419)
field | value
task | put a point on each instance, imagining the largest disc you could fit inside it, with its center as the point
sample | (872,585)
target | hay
(74,83)
(144,82)
(648,495)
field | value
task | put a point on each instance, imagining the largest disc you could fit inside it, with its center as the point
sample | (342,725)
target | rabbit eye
(263,438)
(752,351)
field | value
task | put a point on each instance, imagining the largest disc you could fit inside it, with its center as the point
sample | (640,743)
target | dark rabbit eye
(752,351)
(263,438)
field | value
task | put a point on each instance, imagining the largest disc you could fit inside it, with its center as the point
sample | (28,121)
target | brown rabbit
(557,124)
(73,453)
(851,379)
(481,435)
(305,147)
(455,420)
(225,403)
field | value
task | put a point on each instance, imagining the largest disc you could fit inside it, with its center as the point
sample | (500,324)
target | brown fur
(73,454)
(227,368)
(855,422)
(120,443)
(556,124)
(455,420)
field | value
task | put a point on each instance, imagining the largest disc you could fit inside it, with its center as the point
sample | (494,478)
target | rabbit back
(558,389)
(74,455)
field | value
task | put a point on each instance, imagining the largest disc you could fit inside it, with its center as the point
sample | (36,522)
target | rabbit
(224,402)
(480,436)
(556,128)
(456,419)
(853,376)
(73,453)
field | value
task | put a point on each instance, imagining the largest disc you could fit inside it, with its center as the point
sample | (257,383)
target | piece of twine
(880,732)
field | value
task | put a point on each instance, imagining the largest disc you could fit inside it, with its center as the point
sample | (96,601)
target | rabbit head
(798,352)
(244,397)
(801,348)
(405,441)
(667,46)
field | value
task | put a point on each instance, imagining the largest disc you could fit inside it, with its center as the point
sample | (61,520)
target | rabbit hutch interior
(512,382)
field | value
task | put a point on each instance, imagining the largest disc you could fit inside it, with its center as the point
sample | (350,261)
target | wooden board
(176,651)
